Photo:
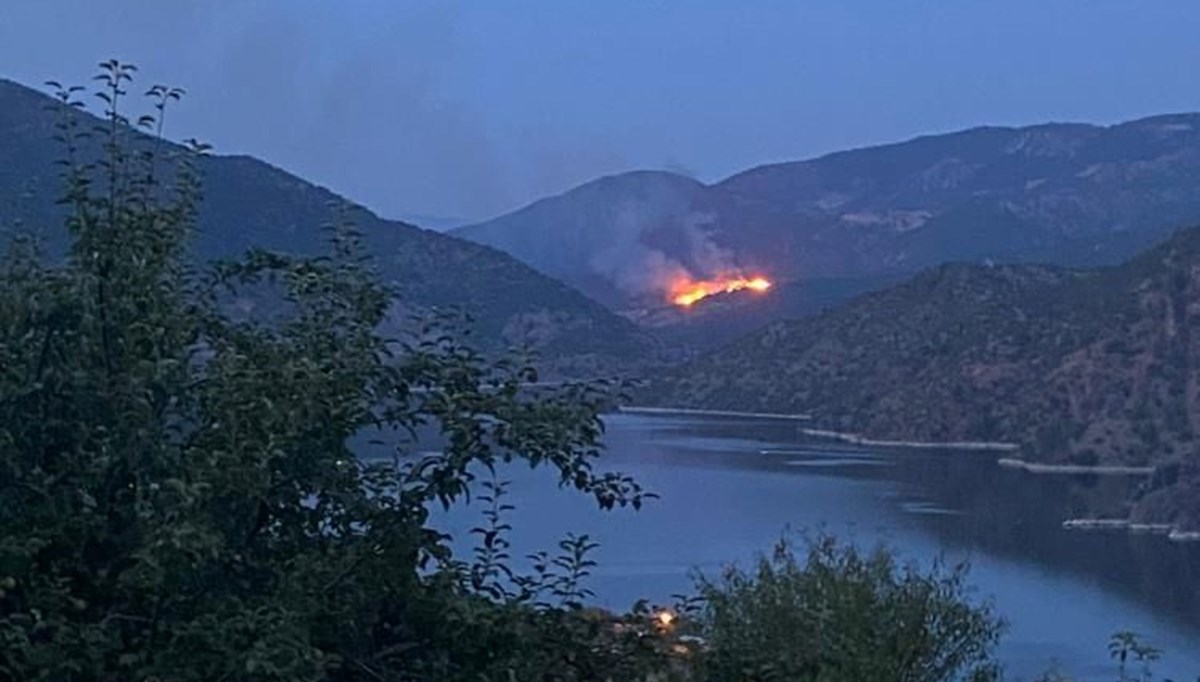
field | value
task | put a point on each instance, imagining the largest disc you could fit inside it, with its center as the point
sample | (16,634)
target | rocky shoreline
(1075,469)
(686,411)
(1171,532)
(856,439)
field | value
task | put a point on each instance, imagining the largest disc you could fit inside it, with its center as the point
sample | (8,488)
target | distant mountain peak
(1069,193)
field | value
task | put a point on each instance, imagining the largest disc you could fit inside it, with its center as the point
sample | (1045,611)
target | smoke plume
(649,251)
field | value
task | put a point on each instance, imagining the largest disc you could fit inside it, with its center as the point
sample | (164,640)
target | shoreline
(1075,469)
(845,437)
(638,409)
(856,439)
(1172,533)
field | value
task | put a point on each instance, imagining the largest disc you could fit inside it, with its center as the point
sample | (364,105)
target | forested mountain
(250,203)
(1078,366)
(1069,194)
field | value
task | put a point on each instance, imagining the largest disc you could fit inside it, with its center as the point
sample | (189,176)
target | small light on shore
(665,618)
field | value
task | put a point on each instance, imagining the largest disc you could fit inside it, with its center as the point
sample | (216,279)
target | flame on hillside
(686,291)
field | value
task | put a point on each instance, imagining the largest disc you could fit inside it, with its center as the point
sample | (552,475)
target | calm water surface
(731,488)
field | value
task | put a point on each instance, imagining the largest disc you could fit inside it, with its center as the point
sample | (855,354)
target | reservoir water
(730,488)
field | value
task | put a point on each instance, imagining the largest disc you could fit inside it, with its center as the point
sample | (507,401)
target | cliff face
(1096,366)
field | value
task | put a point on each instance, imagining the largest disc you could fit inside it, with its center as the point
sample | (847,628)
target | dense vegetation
(180,499)
(844,615)
(1079,367)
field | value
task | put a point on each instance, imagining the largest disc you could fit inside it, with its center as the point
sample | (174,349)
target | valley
(815,306)
(993,284)
(599,342)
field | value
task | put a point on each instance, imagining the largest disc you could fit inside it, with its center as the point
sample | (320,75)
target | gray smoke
(639,269)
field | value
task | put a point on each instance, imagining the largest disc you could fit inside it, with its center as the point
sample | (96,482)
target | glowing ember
(687,292)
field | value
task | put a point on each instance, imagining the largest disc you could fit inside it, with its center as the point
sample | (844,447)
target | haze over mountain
(1075,366)
(436,223)
(251,203)
(1065,193)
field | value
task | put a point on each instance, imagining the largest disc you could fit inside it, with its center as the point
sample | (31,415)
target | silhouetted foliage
(844,615)
(178,494)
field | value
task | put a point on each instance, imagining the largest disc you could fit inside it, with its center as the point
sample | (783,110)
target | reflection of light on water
(835,462)
(828,458)
(928,508)
(830,452)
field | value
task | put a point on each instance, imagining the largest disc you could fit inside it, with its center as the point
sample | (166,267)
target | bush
(844,615)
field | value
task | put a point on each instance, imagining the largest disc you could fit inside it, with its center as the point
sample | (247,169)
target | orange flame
(686,292)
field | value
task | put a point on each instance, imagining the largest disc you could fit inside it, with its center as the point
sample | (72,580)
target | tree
(844,615)
(179,496)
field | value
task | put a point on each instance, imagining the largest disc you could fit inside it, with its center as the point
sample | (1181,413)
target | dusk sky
(470,109)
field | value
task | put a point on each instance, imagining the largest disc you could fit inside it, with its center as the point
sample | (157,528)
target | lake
(731,488)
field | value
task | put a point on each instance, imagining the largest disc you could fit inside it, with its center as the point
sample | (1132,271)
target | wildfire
(687,292)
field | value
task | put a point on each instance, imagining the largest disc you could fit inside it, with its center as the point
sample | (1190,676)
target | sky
(470,109)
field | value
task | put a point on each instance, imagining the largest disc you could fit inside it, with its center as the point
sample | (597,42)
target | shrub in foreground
(841,614)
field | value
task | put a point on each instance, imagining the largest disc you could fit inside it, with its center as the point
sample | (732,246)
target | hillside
(251,203)
(1079,366)
(611,237)
(1069,194)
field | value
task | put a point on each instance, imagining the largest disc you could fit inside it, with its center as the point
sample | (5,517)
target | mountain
(1075,366)
(248,202)
(611,237)
(1070,194)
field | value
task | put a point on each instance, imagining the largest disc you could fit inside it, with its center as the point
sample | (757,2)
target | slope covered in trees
(249,203)
(1084,367)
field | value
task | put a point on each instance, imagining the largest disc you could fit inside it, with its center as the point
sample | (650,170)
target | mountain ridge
(250,202)
(1068,193)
